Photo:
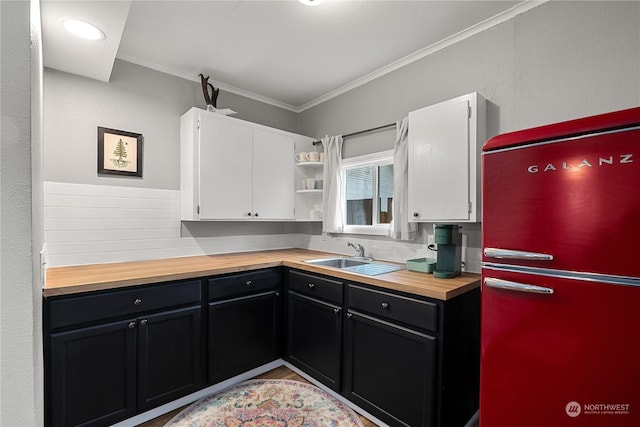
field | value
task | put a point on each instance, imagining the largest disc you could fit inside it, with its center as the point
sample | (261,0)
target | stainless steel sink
(338,262)
(361,266)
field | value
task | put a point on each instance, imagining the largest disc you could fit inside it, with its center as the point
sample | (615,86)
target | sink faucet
(358,247)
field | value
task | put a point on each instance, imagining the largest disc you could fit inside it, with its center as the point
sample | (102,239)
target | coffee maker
(449,255)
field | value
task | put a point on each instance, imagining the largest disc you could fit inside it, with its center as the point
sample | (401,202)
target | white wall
(559,61)
(20,372)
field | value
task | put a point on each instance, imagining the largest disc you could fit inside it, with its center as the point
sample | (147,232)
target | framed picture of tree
(119,152)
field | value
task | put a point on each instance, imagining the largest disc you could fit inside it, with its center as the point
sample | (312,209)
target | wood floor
(281,373)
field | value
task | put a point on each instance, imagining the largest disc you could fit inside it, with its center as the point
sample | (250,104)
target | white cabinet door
(226,176)
(443,159)
(234,170)
(273,187)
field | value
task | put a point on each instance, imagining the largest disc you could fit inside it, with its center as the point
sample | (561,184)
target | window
(368,193)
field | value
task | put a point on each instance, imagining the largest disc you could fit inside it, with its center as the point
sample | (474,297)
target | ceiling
(280,52)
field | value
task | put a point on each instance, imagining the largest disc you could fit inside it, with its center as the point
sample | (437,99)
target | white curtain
(400,227)
(332,194)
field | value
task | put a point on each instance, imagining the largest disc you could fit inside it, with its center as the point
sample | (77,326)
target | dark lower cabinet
(93,375)
(244,333)
(169,356)
(245,322)
(410,361)
(106,365)
(315,338)
(390,371)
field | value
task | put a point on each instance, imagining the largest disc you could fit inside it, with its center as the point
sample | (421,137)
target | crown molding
(516,10)
(218,85)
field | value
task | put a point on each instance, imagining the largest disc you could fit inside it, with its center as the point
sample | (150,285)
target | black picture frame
(115,153)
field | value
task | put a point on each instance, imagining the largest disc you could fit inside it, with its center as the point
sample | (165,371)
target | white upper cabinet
(234,170)
(225,169)
(445,141)
(273,163)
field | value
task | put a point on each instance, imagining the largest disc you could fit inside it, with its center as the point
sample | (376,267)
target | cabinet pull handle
(248,282)
(137,301)
(131,325)
(311,285)
(144,322)
(336,310)
(384,305)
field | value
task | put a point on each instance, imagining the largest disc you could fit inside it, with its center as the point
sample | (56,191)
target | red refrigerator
(561,275)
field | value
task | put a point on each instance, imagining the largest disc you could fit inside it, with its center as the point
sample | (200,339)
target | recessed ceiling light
(311,2)
(84,30)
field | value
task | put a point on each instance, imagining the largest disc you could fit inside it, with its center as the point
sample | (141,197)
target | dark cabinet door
(92,380)
(315,338)
(244,333)
(169,356)
(390,371)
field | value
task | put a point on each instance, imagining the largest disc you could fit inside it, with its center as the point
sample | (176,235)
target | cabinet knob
(255,214)
(144,322)
(131,325)
(311,286)
(384,305)
(248,282)
(416,214)
(249,214)
(336,310)
(349,315)
(137,301)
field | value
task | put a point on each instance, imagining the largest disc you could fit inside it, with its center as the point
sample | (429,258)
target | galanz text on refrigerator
(622,159)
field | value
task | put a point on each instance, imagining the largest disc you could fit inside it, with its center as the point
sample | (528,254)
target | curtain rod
(361,132)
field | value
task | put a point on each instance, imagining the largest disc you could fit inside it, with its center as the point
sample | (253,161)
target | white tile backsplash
(87,224)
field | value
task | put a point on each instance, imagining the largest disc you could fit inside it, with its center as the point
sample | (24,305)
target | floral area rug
(268,403)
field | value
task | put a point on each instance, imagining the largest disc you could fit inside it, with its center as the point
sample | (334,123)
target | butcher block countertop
(86,278)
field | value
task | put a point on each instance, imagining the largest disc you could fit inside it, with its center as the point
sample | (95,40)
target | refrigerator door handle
(515,286)
(511,254)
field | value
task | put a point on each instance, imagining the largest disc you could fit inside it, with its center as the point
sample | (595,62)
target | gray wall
(37,205)
(136,99)
(559,61)
(20,372)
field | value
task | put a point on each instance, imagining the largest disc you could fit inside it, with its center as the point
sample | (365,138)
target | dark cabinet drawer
(89,308)
(413,312)
(316,286)
(244,283)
